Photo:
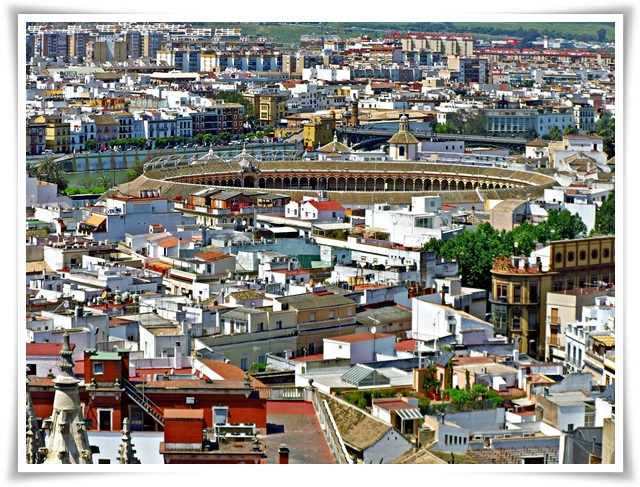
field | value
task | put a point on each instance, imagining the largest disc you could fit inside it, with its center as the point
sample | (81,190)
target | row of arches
(360,183)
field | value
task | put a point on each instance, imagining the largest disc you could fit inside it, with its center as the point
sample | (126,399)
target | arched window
(401,151)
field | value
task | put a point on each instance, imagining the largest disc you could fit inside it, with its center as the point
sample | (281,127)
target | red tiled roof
(224,370)
(213,256)
(405,345)
(170,242)
(292,273)
(51,349)
(393,405)
(309,358)
(326,205)
(472,360)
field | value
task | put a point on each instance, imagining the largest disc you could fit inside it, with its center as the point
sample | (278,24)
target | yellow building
(101,52)
(272,109)
(57,136)
(519,289)
(319,131)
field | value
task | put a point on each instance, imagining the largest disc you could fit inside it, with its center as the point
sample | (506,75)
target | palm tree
(105,181)
(50,171)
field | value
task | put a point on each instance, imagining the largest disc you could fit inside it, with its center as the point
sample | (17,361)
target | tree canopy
(606,216)
(475,250)
(605,127)
(49,170)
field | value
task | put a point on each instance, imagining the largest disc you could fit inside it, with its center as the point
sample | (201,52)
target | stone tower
(127,452)
(68,442)
(34,439)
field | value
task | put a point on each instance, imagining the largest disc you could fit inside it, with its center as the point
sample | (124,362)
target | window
(220,414)
(501,291)
(312,317)
(243,364)
(554,316)
(278,325)
(533,320)
(605,253)
(105,419)
(332,314)
(571,256)
(594,254)
(98,368)
(517,291)
(533,293)
(570,284)
(583,255)
(517,315)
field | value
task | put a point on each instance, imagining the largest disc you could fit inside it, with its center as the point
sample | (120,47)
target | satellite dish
(65,304)
(373,330)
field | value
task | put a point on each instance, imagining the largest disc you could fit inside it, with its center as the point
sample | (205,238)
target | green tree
(445,128)
(474,250)
(90,144)
(473,123)
(565,225)
(606,216)
(570,130)
(49,170)
(605,127)
(458,397)
(483,392)
(526,236)
(430,381)
(602,35)
(531,133)
(86,183)
(554,133)
(32,169)
(106,181)
(135,171)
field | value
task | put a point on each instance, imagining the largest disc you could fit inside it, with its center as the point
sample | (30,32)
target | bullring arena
(350,183)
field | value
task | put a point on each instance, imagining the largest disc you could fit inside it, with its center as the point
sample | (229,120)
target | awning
(409,413)
(95,220)
(332,226)
(606,340)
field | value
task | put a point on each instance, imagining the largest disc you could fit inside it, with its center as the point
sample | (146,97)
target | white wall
(570,415)
(390,447)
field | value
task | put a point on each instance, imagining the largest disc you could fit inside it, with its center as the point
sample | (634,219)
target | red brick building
(109,394)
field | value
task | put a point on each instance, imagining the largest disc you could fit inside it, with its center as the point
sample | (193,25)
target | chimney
(283,454)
